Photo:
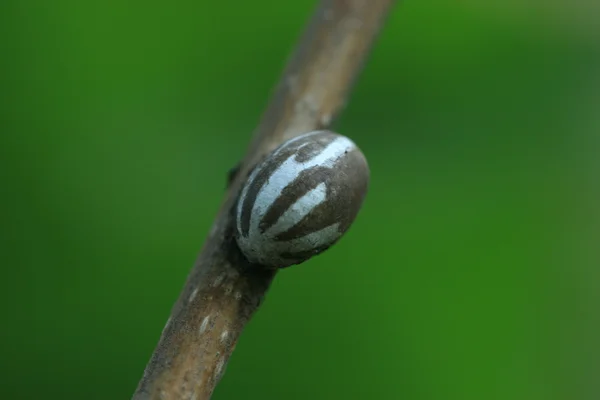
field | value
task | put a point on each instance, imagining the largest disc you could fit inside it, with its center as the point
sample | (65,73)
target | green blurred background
(470,273)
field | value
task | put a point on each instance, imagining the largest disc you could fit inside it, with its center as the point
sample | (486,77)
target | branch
(223,290)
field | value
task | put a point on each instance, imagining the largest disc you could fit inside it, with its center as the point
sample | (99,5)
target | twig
(223,290)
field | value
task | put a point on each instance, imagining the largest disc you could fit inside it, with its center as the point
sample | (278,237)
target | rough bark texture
(223,290)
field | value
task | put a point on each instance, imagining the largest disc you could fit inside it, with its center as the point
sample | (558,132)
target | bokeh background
(470,273)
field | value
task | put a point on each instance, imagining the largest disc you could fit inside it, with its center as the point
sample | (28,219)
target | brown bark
(223,290)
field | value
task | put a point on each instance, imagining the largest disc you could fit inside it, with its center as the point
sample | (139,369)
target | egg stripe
(310,242)
(302,149)
(260,175)
(290,195)
(287,184)
(279,223)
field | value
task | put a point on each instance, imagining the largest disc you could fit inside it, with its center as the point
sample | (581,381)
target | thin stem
(223,290)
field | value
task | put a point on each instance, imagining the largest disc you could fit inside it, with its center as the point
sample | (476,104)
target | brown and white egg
(301,199)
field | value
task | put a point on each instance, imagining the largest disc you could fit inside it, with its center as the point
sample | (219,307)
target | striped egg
(301,199)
